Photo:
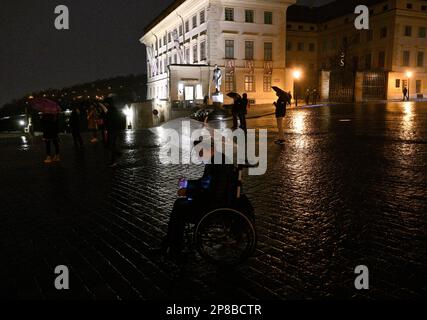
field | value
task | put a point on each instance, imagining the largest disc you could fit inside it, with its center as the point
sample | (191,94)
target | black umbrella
(279,91)
(234,95)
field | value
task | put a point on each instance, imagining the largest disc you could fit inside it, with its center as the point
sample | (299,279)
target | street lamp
(409,76)
(297,75)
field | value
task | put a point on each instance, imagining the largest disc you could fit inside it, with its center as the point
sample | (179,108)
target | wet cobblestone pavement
(348,188)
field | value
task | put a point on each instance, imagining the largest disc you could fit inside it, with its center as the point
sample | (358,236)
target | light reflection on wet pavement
(347,188)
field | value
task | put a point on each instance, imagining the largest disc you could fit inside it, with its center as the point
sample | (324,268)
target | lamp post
(409,76)
(297,75)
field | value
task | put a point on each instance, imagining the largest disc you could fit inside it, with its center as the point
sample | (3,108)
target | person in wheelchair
(215,189)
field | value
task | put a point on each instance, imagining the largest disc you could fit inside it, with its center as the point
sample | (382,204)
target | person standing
(315,97)
(114,126)
(91,123)
(280,113)
(307,96)
(405,93)
(50,136)
(75,127)
(244,111)
(235,111)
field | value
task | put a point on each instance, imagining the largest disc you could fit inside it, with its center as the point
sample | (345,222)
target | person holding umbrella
(280,113)
(50,126)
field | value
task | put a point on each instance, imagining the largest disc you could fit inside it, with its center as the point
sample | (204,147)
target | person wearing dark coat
(280,113)
(50,129)
(213,190)
(243,111)
(75,127)
(113,125)
(235,111)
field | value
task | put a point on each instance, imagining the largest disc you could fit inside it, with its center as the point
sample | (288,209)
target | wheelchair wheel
(225,237)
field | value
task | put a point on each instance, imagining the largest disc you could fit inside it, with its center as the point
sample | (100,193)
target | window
(311,47)
(300,27)
(288,46)
(180,30)
(195,54)
(249,84)
(267,83)
(381,59)
(229,82)
(169,37)
(383,32)
(249,16)
(194,22)
(408,31)
(268,51)
(268,17)
(406,58)
(187,55)
(423,8)
(422,32)
(300,46)
(164,40)
(312,28)
(397,85)
(368,61)
(160,43)
(249,50)
(203,51)
(229,14)
(385,8)
(229,49)
(409,6)
(418,86)
(187,26)
(420,59)
(202,17)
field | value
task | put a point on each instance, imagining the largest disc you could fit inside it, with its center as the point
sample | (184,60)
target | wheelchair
(227,236)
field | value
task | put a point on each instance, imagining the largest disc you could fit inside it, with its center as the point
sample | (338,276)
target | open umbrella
(234,95)
(46,106)
(279,91)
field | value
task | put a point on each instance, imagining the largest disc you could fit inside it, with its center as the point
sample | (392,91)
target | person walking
(75,127)
(91,123)
(280,113)
(405,93)
(114,126)
(243,111)
(307,96)
(50,128)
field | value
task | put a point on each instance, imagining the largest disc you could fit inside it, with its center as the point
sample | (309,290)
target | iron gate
(374,86)
(341,87)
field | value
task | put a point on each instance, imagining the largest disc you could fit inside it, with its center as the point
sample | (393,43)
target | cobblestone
(336,195)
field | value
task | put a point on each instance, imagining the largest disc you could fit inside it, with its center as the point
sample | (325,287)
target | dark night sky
(103,41)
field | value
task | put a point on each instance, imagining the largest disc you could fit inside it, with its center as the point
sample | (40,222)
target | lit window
(267,83)
(229,82)
(249,84)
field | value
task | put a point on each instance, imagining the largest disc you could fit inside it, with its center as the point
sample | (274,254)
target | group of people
(103,117)
(311,95)
(239,111)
